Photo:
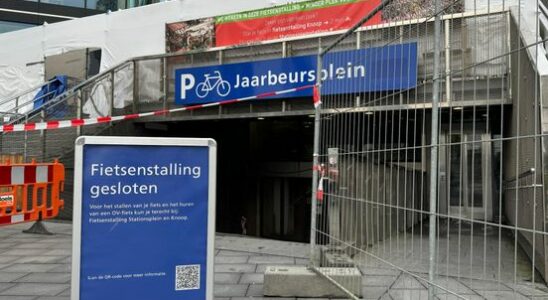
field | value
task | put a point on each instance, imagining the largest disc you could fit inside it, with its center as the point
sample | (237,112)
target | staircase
(47,145)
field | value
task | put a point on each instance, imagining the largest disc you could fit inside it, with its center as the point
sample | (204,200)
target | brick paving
(37,267)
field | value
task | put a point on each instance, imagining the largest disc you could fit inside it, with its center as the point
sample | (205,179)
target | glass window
(114,5)
(104,5)
(75,3)
(135,3)
(12,26)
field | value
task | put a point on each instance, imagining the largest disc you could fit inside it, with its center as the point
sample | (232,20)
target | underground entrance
(264,172)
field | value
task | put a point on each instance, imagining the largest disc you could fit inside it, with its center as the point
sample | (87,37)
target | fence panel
(429,172)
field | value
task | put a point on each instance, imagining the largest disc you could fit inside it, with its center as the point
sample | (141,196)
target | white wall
(121,35)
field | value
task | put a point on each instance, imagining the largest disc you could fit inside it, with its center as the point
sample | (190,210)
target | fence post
(25,143)
(111,93)
(164,82)
(434,154)
(43,134)
(135,87)
(315,164)
(221,60)
(79,111)
(447,46)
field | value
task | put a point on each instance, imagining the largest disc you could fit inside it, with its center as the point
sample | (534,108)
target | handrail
(26,103)
(68,94)
(15,110)
(531,171)
(48,105)
(32,89)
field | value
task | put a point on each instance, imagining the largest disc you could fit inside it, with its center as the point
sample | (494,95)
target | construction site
(406,144)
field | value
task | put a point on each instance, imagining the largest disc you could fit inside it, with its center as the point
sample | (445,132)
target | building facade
(21,14)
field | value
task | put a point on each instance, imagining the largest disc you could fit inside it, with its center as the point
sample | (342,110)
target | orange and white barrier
(30,192)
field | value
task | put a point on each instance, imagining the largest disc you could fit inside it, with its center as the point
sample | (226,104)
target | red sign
(292,20)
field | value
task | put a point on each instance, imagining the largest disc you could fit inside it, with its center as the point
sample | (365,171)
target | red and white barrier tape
(319,192)
(100,120)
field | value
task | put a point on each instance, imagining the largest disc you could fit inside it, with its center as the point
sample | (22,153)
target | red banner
(245,28)
(301,18)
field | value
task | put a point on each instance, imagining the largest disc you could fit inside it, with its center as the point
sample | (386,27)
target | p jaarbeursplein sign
(386,68)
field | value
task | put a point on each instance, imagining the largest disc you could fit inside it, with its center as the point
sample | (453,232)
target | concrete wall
(524,205)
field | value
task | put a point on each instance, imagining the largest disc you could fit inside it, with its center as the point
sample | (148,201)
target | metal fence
(433,187)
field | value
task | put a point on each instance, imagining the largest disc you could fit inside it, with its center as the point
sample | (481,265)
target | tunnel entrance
(264,172)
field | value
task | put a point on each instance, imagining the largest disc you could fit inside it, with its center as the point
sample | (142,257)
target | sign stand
(38,228)
(144,218)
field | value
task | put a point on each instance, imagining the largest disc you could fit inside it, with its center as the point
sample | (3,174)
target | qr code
(187,277)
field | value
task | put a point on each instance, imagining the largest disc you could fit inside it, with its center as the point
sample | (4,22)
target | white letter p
(187,83)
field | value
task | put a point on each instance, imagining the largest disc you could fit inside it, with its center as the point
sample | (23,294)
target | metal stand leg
(38,228)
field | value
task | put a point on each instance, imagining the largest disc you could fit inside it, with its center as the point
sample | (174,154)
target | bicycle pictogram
(213,82)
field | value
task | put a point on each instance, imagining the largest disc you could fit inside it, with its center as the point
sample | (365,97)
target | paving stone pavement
(36,267)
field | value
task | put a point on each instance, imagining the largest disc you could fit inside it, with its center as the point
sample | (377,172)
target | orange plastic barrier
(30,192)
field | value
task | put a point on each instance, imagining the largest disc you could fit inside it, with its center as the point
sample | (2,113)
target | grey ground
(35,267)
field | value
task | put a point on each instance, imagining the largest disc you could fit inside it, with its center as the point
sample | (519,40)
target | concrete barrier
(338,259)
(302,282)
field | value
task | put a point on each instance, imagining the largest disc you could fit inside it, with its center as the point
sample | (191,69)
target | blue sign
(145,218)
(378,69)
